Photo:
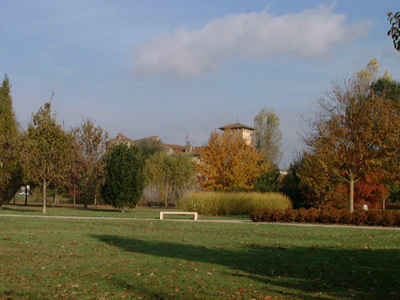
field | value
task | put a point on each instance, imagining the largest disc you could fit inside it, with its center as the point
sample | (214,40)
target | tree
(124,179)
(268,136)
(292,185)
(394,31)
(172,174)
(88,169)
(47,149)
(228,163)
(355,132)
(10,164)
(269,181)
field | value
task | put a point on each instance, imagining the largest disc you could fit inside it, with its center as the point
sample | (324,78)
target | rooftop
(236,126)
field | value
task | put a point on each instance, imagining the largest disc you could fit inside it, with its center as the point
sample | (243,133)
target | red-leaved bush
(329,216)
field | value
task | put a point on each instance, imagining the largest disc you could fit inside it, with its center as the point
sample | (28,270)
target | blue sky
(183,68)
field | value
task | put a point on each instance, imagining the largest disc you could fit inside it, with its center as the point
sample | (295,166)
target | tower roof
(236,126)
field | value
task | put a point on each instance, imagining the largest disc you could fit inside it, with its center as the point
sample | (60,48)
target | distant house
(169,148)
(246,132)
(120,139)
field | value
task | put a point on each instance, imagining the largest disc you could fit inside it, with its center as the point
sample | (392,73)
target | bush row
(329,216)
(225,203)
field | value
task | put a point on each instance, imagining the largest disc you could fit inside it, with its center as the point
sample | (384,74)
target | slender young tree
(10,164)
(172,174)
(268,136)
(89,167)
(47,147)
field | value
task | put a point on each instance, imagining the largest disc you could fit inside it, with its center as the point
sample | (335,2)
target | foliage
(394,31)
(172,174)
(354,133)
(387,88)
(48,150)
(369,191)
(268,182)
(329,216)
(149,146)
(268,136)
(10,146)
(228,163)
(292,185)
(88,170)
(224,203)
(394,192)
(124,179)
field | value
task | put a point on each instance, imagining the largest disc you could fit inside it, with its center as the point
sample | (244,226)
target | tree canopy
(10,146)
(124,179)
(268,136)
(48,149)
(228,163)
(172,174)
(89,165)
(355,133)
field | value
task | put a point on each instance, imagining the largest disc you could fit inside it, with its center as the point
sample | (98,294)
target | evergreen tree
(10,165)
(124,179)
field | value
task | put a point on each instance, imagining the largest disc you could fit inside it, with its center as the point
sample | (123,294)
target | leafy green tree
(268,182)
(88,169)
(268,136)
(10,165)
(386,87)
(124,178)
(292,185)
(172,174)
(149,146)
(48,149)
(394,31)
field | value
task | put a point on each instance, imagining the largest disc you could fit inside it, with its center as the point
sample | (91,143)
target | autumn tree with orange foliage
(228,163)
(355,133)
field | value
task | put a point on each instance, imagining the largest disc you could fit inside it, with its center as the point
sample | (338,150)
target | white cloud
(309,34)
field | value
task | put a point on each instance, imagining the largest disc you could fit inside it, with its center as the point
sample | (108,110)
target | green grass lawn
(138,259)
(101,211)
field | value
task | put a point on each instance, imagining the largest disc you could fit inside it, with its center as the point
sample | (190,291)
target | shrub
(223,203)
(329,216)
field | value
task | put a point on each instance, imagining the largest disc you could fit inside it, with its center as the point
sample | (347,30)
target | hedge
(329,216)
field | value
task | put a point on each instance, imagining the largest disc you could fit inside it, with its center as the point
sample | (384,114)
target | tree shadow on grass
(307,271)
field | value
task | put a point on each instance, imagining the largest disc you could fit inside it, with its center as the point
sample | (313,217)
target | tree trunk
(74,194)
(351,182)
(44,195)
(55,199)
(26,195)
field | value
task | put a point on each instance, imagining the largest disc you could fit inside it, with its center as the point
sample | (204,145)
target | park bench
(162,213)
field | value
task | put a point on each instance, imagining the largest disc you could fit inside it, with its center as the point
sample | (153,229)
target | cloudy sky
(179,69)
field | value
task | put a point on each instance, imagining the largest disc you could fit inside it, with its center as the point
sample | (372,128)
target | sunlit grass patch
(117,259)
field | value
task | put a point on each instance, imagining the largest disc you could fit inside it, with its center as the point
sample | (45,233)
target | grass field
(137,259)
(100,211)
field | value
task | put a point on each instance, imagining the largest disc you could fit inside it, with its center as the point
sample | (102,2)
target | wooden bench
(162,213)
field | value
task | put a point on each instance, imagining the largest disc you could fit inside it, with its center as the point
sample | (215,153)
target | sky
(179,69)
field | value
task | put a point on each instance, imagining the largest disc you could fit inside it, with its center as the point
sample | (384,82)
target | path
(198,221)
